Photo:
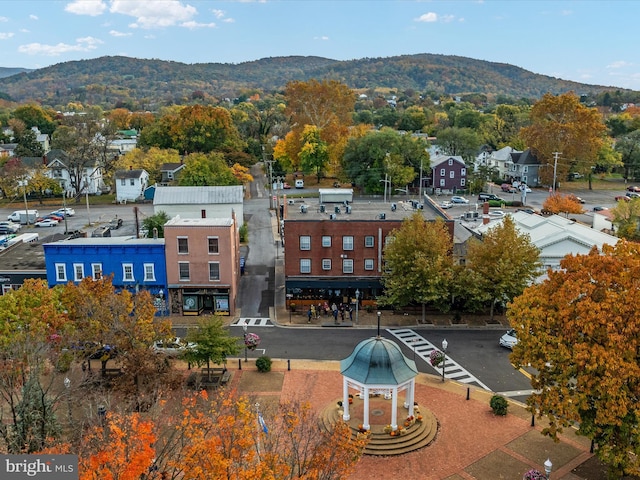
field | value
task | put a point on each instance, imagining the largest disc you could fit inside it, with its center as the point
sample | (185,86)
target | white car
(10,226)
(172,348)
(46,222)
(509,339)
(496,213)
(66,211)
(457,199)
(446,205)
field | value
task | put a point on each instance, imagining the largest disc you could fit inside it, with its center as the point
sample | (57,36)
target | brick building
(333,250)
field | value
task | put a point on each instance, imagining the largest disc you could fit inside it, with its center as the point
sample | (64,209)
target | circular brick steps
(417,435)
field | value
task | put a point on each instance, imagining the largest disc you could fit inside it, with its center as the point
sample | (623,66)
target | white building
(130,184)
(200,202)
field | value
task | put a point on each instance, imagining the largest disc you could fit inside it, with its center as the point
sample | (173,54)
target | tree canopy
(580,332)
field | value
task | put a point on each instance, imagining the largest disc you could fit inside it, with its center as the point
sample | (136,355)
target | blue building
(134,263)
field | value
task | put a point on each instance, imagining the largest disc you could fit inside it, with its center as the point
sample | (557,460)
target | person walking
(313,312)
(334,307)
(309,315)
(318,308)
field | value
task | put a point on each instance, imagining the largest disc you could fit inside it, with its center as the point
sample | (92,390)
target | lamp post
(244,328)
(379,314)
(445,344)
(67,387)
(547,468)
(161,293)
(555,169)
(357,301)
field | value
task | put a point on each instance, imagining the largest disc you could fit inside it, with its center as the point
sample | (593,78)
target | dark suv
(485,197)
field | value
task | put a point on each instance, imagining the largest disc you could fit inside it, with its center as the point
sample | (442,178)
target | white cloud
(93,8)
(427,17)
(619,64)
(447,18)
(85,44)
(193,24)
(4,19)
(323,37)
(218,13)
(5,36)
(156,14)
(115,33)
(33,17)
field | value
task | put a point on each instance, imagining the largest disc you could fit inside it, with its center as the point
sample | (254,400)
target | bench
(226,376)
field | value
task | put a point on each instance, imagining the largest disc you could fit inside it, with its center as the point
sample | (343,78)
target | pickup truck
(116,223)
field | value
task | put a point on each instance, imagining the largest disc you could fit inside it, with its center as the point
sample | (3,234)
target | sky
(591,41)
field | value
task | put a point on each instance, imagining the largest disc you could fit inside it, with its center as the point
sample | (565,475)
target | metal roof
(110,241)
(198,222)
(378,361)
(198,195)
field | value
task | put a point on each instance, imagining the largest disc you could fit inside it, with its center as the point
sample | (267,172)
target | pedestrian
(326,309)
(335,315)
(318,308)
(350,313)
(309,315)
(342,312)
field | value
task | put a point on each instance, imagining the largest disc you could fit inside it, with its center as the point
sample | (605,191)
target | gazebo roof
(378,361)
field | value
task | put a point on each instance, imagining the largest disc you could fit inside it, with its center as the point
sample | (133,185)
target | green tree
(314,154)
(213,343)
(628,146)
(418,264)
(626,218)
(35,116)
(28,145)
(156,222)
(579,332)
(503,264)
(459,141)
(210,169)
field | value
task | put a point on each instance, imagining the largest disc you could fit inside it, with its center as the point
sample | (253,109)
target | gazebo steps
(416,436)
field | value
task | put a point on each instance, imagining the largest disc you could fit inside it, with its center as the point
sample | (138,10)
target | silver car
(509,339)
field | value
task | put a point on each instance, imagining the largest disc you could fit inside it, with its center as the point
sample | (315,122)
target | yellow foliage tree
(558,203)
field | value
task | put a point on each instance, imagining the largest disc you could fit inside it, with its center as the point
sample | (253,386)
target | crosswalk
(423,349)
(252,322)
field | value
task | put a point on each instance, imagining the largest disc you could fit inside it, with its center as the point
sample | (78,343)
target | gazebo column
(411,391)
(365,420)
(394,408)
(345,400)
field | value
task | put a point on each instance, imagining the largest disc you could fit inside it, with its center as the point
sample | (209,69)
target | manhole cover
(377,412)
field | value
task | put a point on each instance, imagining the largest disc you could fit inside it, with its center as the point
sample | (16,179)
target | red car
(622,198)
(633,188)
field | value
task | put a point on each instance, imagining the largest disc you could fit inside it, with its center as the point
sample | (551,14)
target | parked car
(575,198)
(66,211)
(286,186)
(496,213)
(509,339)
(530,211)
(4,230)
(14,227)
(632,188)
(598,208)
(507,187)
(46,222)
(622,198)
(485,197)
(457,199)
(446,205)
(632,195)
(116,223)
(172,348)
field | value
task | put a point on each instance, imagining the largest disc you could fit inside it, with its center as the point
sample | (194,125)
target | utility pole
(555,169)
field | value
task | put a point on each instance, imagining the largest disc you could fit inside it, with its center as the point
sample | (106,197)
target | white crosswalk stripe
(253,322)
(423,349)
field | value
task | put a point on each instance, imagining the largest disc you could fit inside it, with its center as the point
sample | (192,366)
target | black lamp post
(244,328)
(445,344)
(357,301)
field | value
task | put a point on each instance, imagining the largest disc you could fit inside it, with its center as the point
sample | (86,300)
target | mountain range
(148,83)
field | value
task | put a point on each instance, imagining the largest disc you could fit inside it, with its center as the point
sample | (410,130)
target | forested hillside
(148,84)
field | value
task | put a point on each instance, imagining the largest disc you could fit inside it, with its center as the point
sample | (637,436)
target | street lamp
(445,344)
(244,328)
(161,293)
(547,468)
(357,301)
(379,313)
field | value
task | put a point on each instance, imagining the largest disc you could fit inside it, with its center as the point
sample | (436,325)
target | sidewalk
(472,443)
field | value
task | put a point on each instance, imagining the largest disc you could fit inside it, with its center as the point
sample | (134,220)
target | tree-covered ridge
(116,80)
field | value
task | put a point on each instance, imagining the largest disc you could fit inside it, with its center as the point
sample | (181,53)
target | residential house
(7,149)
(43,139)
(134,263)
(333,251)
(200,202)
(170,172)
(448,173)
(500,160)
(130,184)
(203,265)
(524,167)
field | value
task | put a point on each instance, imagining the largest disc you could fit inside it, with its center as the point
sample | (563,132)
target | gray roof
(378,361)
(198,195)
(131,173)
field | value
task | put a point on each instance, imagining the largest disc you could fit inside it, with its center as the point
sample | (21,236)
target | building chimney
(485,213)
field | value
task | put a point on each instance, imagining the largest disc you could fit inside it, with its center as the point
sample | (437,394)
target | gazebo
(378,366)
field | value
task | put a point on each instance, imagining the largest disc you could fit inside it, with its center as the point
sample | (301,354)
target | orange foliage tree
(579,330)
(558,203)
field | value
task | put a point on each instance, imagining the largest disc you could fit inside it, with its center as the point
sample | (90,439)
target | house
(524,167)
(43,139)
(203,265)
(333,251)
(130,184)
(500,160)
(448,173)
(7,149)
(170,171)
(200,202)
(134,263)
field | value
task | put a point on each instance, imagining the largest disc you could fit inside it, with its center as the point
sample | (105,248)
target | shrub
(243,232)
(263,364)
(499,405)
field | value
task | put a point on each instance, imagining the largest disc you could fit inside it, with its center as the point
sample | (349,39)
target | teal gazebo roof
(378,361)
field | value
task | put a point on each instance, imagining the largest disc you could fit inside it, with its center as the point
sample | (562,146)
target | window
(213,245)
(326,241)
(463,182)
(305,242)
(368,263)
(78,272)
(347,265)
(305,265)
(450,161)
(463,172)
(347,242)
(452,174)
(61,272)
(443,172)
(326,264)
(123,182)
(214,270)
(183,271)
(149,272)
(442,182)
(96,271)
(369,241)
(525,169)
(127,272)
(132,181)
(183,245)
